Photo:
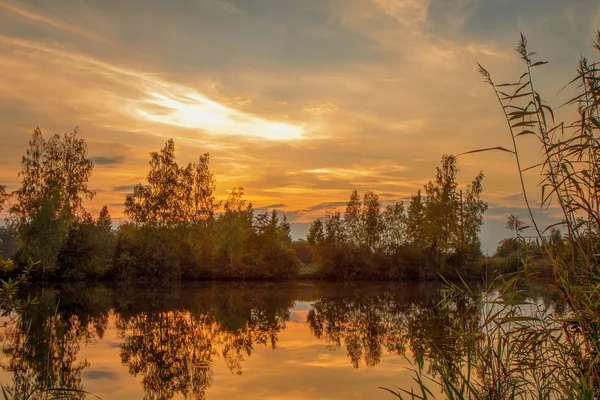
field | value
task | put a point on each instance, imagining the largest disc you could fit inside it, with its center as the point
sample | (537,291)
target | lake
(224,340)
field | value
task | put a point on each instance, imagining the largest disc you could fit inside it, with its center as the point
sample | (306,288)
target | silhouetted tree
(472,219)
(55,176)
(3,197)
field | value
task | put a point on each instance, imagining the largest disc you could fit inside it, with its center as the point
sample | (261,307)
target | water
(223,340)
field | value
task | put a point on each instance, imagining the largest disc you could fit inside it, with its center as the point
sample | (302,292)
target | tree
(316,238)
(232,230)
(352,218)
(199,184)
(173,196)
(3,197)
(55,176)
(58,168)
(371,220)
(393,226)
(472,217)
(104,221)
(443,206)
(416,221)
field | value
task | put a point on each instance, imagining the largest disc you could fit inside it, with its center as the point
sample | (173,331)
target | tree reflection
(171,338)
(41,348)
(173,351)
(368,322)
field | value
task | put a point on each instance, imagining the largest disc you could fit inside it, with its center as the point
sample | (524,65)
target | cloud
(411,13)
(123,188)
(33,16)
(271,206)
(374,91)
(99,373)
(108,160)
(160,101)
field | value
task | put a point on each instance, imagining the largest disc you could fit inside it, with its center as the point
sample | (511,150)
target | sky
(298,101)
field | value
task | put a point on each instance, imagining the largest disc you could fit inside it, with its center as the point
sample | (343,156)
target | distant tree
(556,239)
(443,206)
(416,223)
(316,238)
(371,219)
(302,248)
(173,195)
(352,218)
(157,202)
(232,229)
(334,228)
(394,226)
(3,197)
(198,195)
(104,221)
(506,247)
(88,251)
(473,210)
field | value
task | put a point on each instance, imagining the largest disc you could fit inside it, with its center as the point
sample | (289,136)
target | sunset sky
(298,101)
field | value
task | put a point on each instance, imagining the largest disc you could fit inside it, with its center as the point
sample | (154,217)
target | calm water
(229,340)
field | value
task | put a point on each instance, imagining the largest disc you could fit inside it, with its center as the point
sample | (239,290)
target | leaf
(526,132)
(487,149)
(549,110)
(539,63)
(525,123)
(532,167)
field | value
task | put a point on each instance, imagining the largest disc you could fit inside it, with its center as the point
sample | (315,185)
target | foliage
(89,248)
(8,242)
(507,247)
(302,249)
(3,197)
(398,243)
(175,231)
(54,182)
(174,194)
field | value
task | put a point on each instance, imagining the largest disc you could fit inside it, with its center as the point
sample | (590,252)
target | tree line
(437,233)
(177,229)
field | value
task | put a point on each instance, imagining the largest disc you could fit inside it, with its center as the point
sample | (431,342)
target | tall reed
(518,348)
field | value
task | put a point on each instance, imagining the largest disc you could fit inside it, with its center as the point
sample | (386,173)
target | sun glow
(194,111)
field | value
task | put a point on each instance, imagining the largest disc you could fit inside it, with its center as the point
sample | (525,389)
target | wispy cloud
(108,160)
(411,13)
(22,11)
(299,102)
(164,102)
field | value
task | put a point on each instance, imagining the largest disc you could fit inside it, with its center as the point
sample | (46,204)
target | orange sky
(298,101)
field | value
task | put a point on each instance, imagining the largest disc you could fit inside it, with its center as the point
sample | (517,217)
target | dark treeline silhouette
(438,233)
(177,229)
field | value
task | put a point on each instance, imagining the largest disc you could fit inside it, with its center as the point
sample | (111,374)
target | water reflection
(171,339)
(174,350)
(41,349)
(392,319)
